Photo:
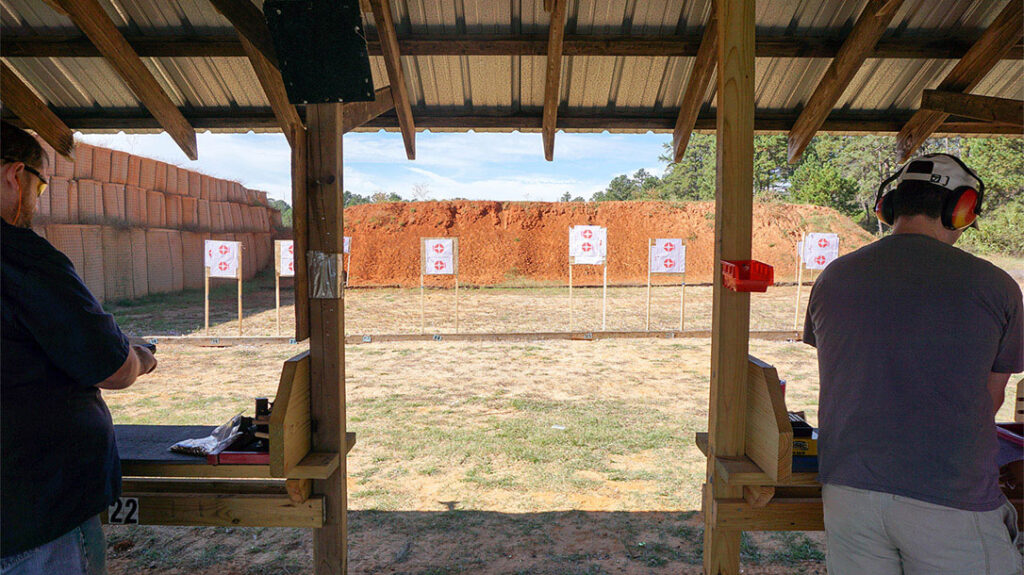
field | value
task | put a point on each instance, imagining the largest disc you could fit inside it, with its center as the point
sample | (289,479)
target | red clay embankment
(505,241)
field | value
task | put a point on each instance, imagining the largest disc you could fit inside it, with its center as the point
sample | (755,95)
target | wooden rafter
(21,100)
(696,87)
(91,18)
(359,113)
(553,77)
(1000,37)
(273,85)
(250,23)
(926,46)
(866,32)
(986,108)
(393,62)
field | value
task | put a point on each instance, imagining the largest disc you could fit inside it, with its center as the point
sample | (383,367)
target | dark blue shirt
(58,460)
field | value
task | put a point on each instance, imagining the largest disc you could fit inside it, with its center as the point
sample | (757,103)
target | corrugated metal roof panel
(514,85)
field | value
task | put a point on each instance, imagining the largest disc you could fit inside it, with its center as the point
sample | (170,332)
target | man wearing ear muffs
(916,342)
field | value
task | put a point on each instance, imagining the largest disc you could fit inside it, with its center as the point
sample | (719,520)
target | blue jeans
(81,551)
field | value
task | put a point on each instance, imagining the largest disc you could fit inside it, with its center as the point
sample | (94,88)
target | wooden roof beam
(393,62)
(987,108)
(998,39)
(21,100)
(90,17)
(263,119)
(933,46)
(696,87)
(359,113)
(273,85)
(251,25)
(553,76)
(866,32)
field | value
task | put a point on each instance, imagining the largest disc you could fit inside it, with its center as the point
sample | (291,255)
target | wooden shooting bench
(774,497)
(177,489)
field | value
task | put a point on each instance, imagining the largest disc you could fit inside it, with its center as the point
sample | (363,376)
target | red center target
(823,243)
(820,260)
(223,266)
(439,265)
(586,247)
(669,247)
(438,248)
(669,263)
(588,234)
(224,249)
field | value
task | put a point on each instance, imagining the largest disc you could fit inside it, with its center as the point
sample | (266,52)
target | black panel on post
(321,49)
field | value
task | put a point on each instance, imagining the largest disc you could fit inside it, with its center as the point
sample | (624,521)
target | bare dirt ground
(545,457)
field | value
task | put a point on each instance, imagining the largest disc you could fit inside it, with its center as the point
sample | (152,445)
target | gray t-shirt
(908,329)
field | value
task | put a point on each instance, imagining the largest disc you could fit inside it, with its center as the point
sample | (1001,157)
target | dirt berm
(502,242)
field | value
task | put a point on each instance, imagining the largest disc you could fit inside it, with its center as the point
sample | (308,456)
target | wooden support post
(604,298)
(206,300)
(327,333)
(277,298)
(300,209)
(456,303)
(240,290)
(733,226)
(422,324)
(650,246)
(799,282)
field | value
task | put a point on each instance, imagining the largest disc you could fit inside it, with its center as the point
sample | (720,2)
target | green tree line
(843,172)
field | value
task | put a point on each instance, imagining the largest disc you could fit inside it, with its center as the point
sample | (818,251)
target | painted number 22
(124,511)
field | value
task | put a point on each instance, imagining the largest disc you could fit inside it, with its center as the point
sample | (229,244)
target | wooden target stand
(604,293)
(682,289)
(423,273)
(303,482)
(206,295)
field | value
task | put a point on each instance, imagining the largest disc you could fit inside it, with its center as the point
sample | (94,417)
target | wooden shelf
(743,471)
(231,510)
(313,466)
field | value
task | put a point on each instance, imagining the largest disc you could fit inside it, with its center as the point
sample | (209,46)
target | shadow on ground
(457,541)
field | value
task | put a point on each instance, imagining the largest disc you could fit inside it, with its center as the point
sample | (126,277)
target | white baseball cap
(942,170)
(945,171)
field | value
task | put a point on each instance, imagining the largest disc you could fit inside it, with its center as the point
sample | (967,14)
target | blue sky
(485,166)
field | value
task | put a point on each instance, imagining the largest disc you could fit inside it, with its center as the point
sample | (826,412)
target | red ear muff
(884,209)
(960,208)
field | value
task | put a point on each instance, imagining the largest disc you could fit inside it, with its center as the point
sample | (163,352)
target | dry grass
(481,310)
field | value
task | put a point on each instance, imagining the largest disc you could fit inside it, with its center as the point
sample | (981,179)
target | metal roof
(504,86)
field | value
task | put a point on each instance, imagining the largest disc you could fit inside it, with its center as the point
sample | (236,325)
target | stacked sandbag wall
(134,226)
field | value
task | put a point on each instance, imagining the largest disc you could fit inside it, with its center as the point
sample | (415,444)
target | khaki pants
(880,533)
